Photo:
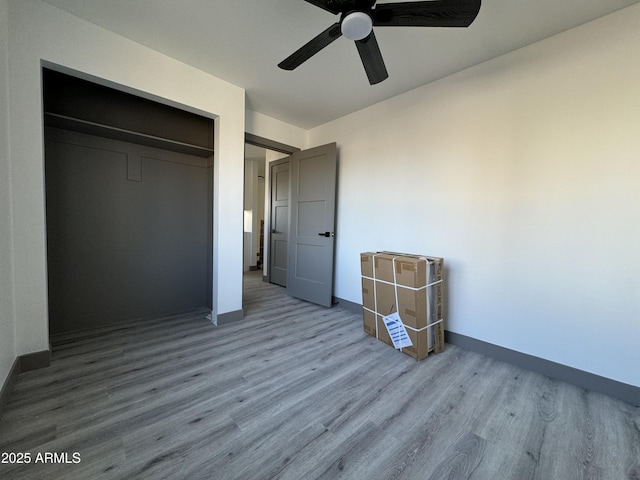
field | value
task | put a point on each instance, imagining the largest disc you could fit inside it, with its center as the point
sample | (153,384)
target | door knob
(326,234)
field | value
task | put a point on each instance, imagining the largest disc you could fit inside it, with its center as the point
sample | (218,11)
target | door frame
(257,141)
(268,144)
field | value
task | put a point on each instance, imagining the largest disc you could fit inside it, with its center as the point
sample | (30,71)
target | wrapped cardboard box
(410,285)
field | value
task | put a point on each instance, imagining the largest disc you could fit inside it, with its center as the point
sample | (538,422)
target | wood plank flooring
(296,391)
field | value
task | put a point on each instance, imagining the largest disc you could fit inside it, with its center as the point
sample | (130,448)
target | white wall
(274,129)
(40,33)
(523,172)
(7,318)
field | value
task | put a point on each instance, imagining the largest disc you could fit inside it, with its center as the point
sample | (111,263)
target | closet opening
(129,206)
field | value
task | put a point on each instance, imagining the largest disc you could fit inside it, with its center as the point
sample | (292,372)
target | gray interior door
(312,219)
(279,235)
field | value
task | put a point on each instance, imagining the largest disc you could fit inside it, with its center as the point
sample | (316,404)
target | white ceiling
(242,41)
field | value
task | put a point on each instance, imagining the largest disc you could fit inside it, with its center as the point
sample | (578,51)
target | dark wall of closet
(129,215)
(68,99)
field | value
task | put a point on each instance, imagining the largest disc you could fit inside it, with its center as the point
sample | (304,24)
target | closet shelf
(92,128)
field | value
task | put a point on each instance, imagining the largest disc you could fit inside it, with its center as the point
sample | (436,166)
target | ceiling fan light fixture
(356,25)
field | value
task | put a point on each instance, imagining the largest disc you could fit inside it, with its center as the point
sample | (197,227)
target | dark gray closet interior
(129,206)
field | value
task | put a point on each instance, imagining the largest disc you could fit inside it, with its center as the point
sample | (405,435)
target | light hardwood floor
(296,391)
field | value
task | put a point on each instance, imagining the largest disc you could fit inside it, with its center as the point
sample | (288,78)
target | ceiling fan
(358,17)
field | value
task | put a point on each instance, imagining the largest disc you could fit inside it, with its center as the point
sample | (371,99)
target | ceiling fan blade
(332,6)
(372,59)
(434,13)
(343,6)
(308,50)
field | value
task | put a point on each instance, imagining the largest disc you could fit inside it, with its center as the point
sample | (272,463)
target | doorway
(299,218)
(260,155)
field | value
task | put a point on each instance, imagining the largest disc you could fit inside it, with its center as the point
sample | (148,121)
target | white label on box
(396,330)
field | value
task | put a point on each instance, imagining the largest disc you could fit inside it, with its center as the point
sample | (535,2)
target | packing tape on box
(375,294)
(403,286)
(395,289)
(424,328)
(395,285)
(407,326)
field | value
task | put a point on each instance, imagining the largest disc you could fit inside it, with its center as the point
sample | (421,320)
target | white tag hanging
(397,331)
